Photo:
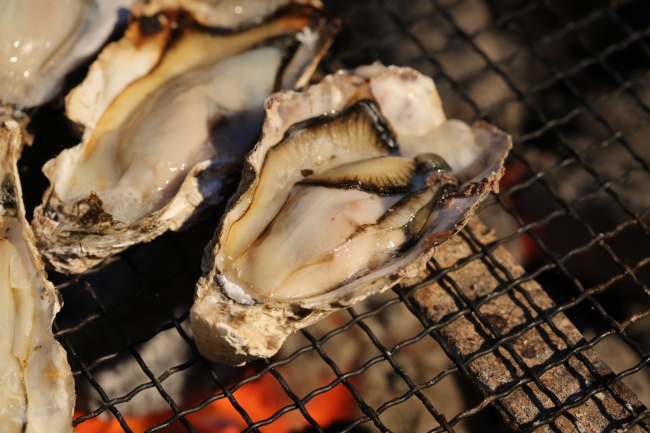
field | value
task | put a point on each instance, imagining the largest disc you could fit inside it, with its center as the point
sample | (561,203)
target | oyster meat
(43,40)
(170,110)
(353,186)
(36,384)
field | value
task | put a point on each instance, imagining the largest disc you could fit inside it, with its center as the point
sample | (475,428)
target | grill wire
(565,201)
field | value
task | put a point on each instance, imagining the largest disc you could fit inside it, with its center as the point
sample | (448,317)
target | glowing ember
(260,399)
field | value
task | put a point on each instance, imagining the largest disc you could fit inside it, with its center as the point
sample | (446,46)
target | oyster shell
(36,385)
(170,110)
(43,40)
(354,185)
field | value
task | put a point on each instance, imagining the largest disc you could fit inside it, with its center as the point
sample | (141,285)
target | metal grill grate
(569,81)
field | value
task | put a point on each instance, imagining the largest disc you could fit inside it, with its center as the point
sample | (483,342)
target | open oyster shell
(43,40)
(36,385)
(353,186)
(169,112)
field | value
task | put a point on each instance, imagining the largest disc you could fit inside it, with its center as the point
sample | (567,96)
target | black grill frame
(355,49)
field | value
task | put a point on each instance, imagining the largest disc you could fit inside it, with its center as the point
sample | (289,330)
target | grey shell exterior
(233,330)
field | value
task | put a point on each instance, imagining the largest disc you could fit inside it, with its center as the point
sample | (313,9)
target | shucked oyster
(42,40)
(353,186)
(169,111)
(36,385)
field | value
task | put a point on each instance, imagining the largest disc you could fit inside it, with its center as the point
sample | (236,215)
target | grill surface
(569,81)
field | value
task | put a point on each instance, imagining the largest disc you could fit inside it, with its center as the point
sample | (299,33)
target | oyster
(170,110)
(43,40)
(36,385)
(353,186)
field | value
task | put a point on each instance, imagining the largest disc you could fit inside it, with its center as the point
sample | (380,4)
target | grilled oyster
(353,186)
(169,111)
(42,40)
(36,385)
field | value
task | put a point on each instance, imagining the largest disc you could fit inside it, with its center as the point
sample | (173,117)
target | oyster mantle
(375,139)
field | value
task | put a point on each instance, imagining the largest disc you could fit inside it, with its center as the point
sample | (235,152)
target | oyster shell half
(170,110)
(354,185)
(43,40)
(36,385)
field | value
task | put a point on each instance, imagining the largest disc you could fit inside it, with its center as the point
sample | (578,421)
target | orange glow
(260,399)
(137,424)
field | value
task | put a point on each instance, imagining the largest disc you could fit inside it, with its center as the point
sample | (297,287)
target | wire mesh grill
(569,81)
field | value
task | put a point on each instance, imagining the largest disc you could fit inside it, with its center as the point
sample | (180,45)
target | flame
(260,399)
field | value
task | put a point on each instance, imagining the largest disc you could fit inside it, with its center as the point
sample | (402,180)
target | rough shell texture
(234,329)
(29,303)
(76,236)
